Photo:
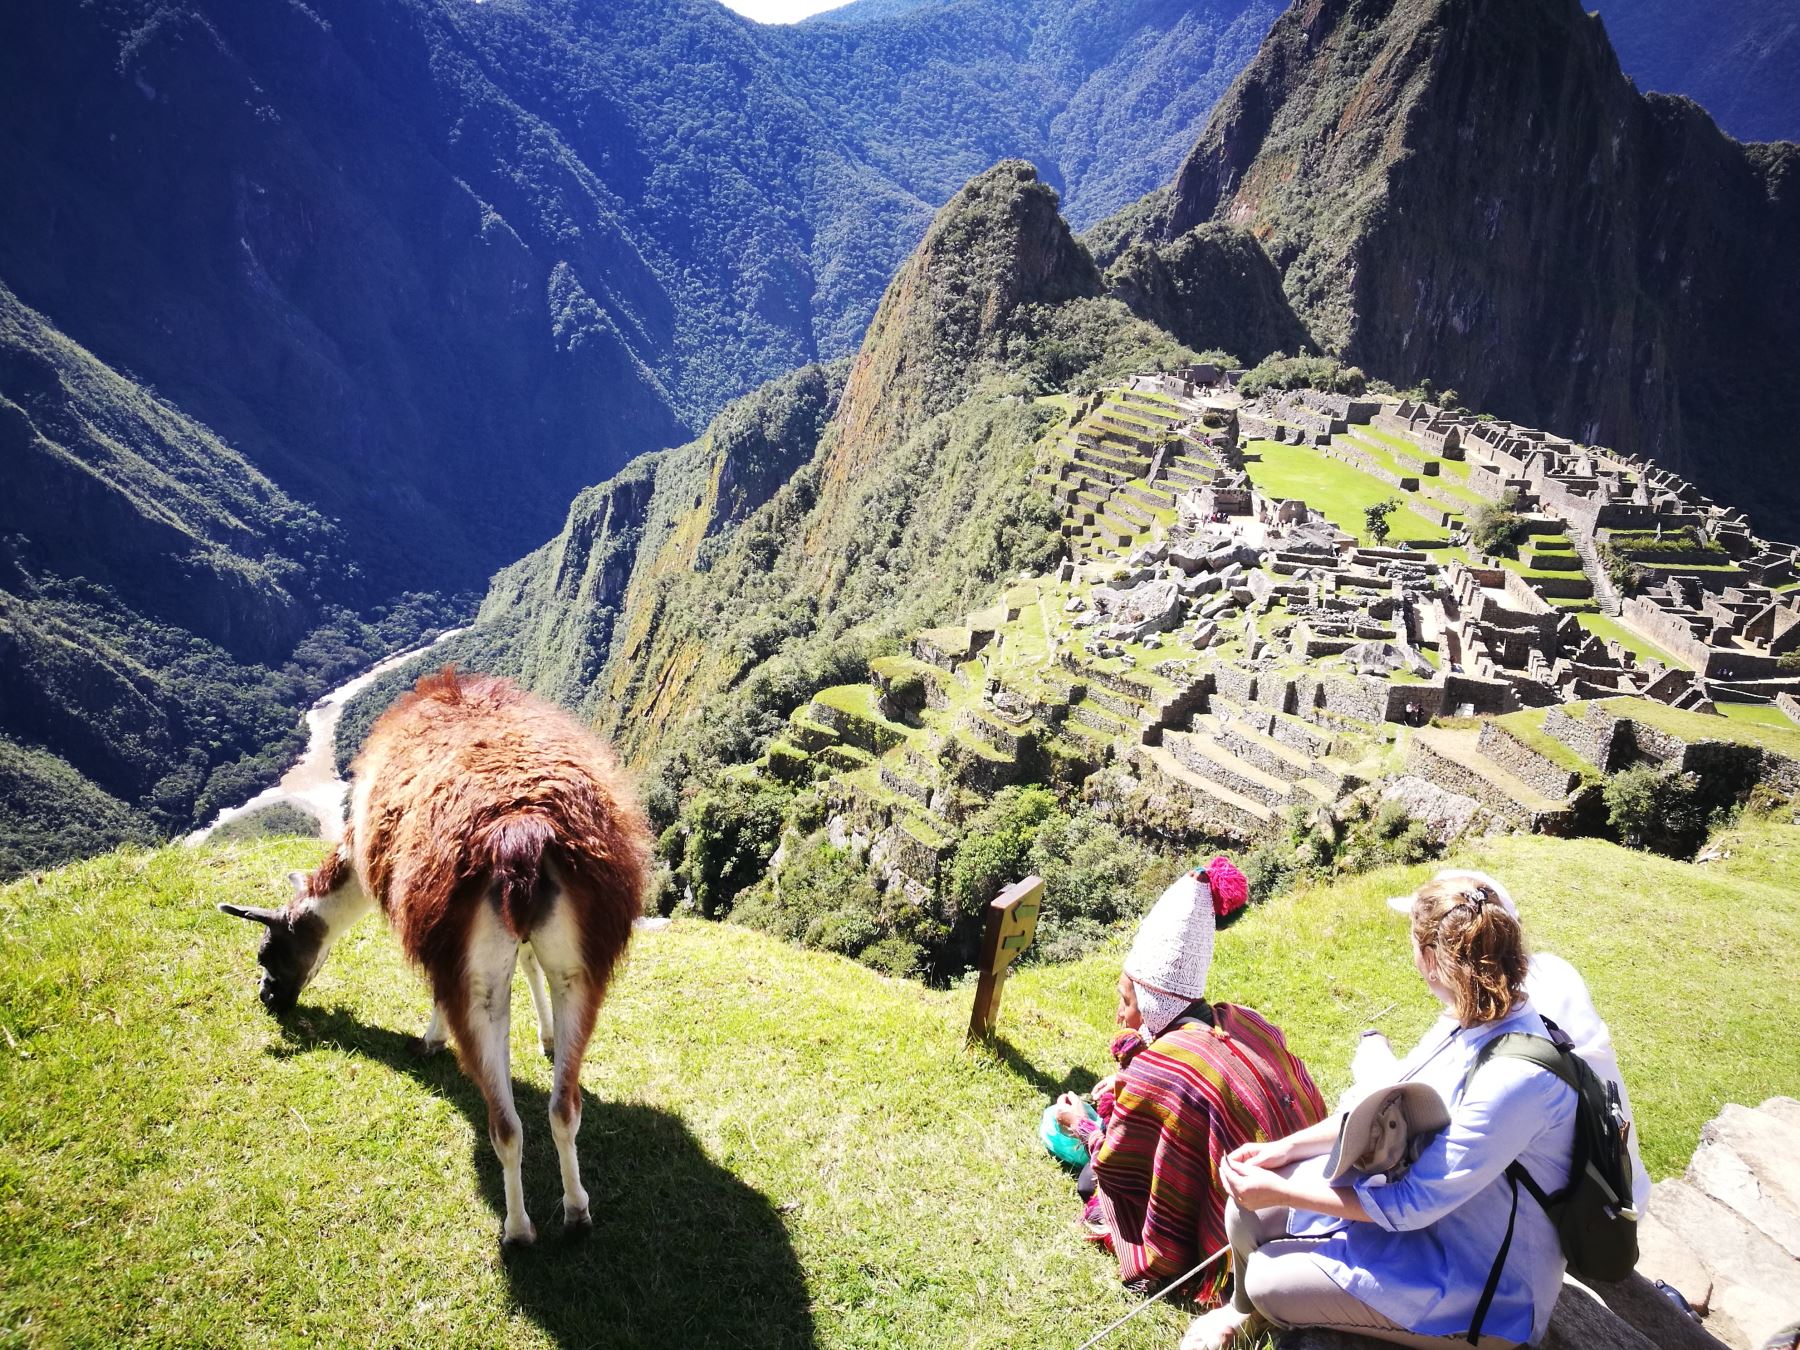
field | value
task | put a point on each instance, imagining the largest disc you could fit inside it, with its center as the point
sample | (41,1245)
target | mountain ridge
(1475,195)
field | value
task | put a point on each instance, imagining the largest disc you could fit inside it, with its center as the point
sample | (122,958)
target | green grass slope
(784,1148)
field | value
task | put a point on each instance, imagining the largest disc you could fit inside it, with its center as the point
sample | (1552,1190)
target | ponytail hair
(1480,948)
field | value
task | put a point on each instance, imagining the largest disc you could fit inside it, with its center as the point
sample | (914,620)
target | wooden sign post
(1012,919)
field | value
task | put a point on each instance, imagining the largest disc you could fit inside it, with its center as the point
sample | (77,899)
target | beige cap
(1374,1135)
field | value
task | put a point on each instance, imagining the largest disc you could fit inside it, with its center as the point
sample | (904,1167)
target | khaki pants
(1279,1277)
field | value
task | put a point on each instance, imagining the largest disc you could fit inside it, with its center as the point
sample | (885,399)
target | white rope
(1168,1288)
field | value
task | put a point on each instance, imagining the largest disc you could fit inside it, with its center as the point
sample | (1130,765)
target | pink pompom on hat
(1172,951)
(1230,887)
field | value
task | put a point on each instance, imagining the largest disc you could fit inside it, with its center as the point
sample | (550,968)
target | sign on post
(1012,919)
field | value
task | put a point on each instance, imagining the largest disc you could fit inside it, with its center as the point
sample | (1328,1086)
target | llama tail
(512,851)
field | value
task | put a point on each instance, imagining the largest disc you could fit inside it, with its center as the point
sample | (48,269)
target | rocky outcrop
(1728,1234)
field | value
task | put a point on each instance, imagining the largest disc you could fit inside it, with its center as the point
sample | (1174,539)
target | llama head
(293,947)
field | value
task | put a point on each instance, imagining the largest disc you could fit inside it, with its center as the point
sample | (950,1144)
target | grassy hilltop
(785,1148)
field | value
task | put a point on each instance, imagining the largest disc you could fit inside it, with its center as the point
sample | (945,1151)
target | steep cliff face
(1214,288)
(154,506)
(900,496)
(998,246)
(148,574)
(1471,191)
(595,589)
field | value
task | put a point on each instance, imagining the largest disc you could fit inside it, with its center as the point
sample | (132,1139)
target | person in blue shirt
(1404,1257)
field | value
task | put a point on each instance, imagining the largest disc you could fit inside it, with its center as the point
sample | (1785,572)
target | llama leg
(432,1040)
(575,1006)
(483,1026)
(540,999)
(573,1002)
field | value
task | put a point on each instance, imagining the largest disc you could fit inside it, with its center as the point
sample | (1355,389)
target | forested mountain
(1736,58)
(378,247)
(832,509)
(310,305)
(1473,193)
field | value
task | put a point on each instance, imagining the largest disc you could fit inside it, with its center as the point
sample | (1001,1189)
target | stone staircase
(1727,1236)
(1103,474)
(1606,595)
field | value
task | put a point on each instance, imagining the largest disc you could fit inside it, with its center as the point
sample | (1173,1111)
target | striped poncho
(1183,1103)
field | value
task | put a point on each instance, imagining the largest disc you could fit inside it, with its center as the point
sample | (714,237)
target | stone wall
(1489,697)
(913,856)
(1540,772)
(1427,698)
(1667,630)
(1599,738)
(1456,776)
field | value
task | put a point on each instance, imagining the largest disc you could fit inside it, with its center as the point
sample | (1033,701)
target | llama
(491,828)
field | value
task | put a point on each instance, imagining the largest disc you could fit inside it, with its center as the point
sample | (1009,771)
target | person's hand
(1267,1153)
(1069,1112)
(1251,1186)
(1110,1083)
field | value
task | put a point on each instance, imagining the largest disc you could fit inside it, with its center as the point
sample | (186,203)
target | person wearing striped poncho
(1197,1081)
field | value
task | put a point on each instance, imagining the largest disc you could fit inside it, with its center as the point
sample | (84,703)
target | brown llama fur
(472,781)
(489,827)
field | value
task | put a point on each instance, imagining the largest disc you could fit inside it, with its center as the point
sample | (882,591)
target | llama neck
(332,915)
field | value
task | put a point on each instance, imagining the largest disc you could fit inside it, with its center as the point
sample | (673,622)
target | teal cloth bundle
(1063,1146)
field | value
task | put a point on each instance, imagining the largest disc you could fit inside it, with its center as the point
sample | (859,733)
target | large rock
(1746,1162)
(1756,1284)
(1154,607)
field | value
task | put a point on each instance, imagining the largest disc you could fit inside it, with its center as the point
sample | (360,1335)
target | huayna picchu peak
(1474,194)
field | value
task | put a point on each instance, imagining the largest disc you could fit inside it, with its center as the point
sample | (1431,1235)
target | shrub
(1788,662)
(1658,809)
(276,818)
(1496,528)
(723,841)
(996,847)
(1278,372)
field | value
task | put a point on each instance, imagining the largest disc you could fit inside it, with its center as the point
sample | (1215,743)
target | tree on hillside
(1378,519)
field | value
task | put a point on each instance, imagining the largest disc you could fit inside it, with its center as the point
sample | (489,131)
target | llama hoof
(526,1235)
(577,1223)
(549,1049)
(425,1047)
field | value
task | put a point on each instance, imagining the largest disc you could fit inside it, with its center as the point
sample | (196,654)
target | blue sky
(781,11)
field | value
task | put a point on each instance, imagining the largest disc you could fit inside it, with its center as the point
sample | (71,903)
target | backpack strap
(1549,1055)
(1513,1172)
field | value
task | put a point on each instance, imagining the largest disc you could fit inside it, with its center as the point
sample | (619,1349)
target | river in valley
(313,784)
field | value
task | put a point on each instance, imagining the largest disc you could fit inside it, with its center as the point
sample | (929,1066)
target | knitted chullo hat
(1173,948)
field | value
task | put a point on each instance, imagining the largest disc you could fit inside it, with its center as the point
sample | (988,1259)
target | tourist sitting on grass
(1406,1255)
(1197,1080)
(1558,994)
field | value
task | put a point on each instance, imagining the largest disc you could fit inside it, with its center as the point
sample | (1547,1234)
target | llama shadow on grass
(681,1253)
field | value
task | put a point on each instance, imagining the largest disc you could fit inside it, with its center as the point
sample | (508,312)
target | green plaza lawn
(1341,491)
(784,1148)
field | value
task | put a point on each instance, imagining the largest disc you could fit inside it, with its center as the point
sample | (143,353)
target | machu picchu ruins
(1228,645)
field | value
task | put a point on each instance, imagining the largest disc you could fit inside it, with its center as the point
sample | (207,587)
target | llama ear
(298,881)
(267,917)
